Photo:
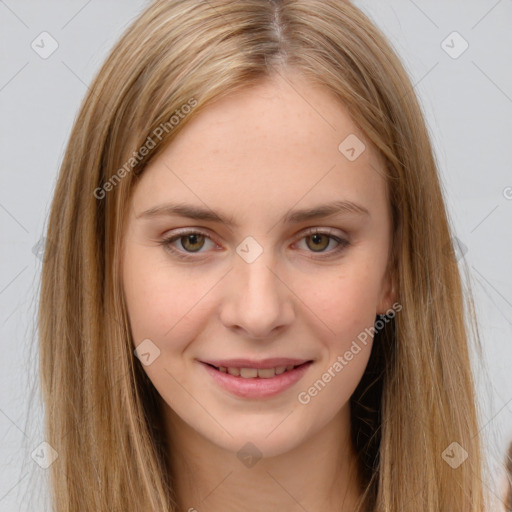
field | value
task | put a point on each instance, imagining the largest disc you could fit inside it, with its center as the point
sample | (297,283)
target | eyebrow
(291,217)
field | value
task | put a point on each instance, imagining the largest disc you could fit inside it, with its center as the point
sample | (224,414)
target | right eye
(191,242)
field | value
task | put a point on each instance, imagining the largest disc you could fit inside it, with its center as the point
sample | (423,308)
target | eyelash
(166,243)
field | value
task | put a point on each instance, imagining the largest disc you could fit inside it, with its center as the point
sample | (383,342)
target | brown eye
(319,241)
(192,242)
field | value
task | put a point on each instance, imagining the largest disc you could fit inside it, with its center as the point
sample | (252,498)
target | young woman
(254,302)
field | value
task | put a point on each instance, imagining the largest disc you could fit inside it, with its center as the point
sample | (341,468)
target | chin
(259,441)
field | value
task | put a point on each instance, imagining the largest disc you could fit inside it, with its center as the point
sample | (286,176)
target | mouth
(256,380)
(256,373)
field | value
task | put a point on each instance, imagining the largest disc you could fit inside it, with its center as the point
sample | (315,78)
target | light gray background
(468,105)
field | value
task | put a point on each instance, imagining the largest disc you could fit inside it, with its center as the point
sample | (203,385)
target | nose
(257,300)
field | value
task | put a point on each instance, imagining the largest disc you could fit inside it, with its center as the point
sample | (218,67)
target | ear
(388,294)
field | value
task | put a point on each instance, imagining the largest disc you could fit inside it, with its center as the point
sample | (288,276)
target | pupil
(317,240)
(191,240)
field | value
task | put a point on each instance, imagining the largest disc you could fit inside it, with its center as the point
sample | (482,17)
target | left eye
(193,241)
(320,240)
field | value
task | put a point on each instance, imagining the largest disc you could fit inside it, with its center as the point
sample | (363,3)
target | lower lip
(257,387)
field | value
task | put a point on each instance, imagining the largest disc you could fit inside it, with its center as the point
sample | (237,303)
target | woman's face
(258,285)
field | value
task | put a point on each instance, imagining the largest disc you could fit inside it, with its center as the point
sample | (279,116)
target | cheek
(160,301)
(344,307)
(343,302)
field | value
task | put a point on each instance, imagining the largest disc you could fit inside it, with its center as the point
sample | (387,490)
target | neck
(318,475)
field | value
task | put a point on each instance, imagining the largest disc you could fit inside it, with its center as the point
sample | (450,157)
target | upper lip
(251,363)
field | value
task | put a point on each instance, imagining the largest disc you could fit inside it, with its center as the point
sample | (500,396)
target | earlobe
(388,297)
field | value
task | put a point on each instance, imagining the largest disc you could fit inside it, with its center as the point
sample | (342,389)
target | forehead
(279,142)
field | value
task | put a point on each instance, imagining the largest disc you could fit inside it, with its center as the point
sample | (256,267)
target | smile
(256,382)
(254,373)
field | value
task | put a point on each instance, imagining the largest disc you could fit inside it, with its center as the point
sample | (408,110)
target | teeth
(266,373)
(248,373)
(251,373)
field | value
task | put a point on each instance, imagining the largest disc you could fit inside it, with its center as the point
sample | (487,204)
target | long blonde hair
(102,415)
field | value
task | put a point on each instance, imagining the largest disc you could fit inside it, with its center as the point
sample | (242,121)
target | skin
(257,154)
